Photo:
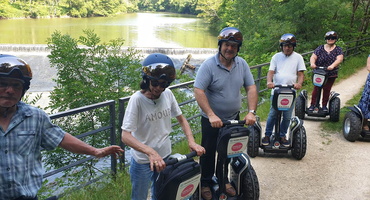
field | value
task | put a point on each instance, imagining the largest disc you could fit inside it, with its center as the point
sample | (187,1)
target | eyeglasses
(155,83)
(288,45)
(330,38)
(14,85)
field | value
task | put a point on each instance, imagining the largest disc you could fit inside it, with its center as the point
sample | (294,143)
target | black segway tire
(334,109)
(352,126)
(300,106)
(250,189)
(299,143)
(253,142)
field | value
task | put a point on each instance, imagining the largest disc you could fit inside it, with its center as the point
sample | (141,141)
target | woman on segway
(364,103)
(147,124)
(329,56)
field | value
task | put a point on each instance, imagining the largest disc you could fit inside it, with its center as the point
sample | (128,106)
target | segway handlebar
(233,122)
(285,86)
(321,67)
(175,158)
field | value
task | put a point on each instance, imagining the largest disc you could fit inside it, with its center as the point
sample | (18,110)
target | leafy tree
(88,73)
(262,22)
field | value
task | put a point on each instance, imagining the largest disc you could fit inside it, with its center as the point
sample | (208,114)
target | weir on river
(43,74)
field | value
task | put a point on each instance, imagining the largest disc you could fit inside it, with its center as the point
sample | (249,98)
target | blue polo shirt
(21,169)
(222,86)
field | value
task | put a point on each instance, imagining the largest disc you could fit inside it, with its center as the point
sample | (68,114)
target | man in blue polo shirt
(217,91)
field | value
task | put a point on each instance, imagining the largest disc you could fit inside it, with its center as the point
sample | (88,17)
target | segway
(231,145)
(179,180)
(282,100)
(353,123)
(319,79)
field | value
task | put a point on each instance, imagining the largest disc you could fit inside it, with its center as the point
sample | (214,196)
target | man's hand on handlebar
(297,86)
(250,119)
(215,121)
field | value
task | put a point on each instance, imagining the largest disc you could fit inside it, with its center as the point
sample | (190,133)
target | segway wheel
(300,106)
(334,109)
(299,143)
(352,126)
(253,142)
(250,188)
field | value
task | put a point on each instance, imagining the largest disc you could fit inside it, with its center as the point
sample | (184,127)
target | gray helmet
(158,66)
(230,34)
(14,67)
(332,35)
(288,39)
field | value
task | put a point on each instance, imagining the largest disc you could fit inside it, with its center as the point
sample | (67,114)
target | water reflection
(137,29)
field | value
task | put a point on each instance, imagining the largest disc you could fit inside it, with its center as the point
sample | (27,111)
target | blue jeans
(284,125)
(142,178)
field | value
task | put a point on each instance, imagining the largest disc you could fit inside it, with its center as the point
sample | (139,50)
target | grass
(120,188)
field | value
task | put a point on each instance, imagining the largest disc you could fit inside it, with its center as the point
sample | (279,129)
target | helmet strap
(226,58)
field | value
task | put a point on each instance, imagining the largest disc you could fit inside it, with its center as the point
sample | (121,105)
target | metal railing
(111,127)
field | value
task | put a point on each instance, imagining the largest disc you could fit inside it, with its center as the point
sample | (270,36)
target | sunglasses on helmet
(156,83)
(231,35)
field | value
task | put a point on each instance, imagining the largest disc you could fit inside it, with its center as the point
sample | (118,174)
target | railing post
(121,111)
(112,117)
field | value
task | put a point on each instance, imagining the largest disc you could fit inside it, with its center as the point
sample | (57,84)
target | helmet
(14,67)
(158,66)
(287,39)
(331,34)
(230,34)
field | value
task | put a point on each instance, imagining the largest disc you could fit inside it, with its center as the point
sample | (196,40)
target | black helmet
(230,34)
(14,67)
(158,66)
(331,35)
(288,39)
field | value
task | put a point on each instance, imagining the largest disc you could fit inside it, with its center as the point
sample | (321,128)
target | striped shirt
(21,170)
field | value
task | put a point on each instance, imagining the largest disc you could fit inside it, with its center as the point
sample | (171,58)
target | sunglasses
(14,85)
(330,38)
(157,83)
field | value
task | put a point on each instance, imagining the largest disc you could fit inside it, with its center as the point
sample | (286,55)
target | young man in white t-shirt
(147,124)
(286,68)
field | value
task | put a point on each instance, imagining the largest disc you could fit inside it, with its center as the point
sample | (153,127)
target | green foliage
(262,22)
(73,8)
(9,11)
(92,72)
(88,73)
(176,6)
(33,101)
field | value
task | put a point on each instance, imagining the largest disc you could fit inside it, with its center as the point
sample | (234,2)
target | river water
(164,30)
(173,34)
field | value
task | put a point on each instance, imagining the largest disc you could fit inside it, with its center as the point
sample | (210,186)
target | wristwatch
(253,112)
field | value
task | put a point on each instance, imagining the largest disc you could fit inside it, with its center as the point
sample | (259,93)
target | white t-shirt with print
(150,122)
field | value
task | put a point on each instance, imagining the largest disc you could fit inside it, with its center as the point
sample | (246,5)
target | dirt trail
(333,168)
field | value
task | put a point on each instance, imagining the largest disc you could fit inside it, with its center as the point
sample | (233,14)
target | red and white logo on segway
(284,102)
(187,190)
(237,146)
